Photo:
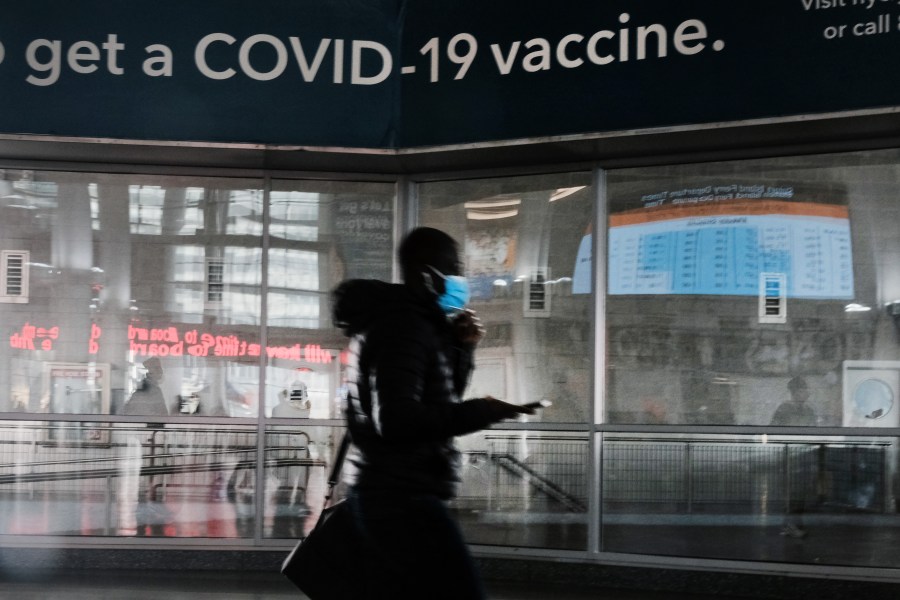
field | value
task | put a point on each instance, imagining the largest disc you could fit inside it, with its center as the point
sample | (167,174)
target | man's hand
(500,410)
(467,328)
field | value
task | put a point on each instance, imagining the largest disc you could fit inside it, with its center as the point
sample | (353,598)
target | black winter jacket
(405,380)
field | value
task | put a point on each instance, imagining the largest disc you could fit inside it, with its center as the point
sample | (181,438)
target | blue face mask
(456,292)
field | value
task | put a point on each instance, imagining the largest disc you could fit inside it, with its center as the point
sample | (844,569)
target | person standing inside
(411,354)
(796,412)
(148,398)
(139,513)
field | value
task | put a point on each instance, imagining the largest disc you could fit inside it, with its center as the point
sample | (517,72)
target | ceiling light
(563,192)
(475,215)
(854,307)
(499,203)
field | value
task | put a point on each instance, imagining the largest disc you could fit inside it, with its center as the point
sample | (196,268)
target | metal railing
(689,475)
(134,467)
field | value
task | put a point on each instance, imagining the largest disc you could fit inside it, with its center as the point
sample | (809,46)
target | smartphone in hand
(538,404)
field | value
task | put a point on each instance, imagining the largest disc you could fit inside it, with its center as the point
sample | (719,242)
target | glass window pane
(143,294)
(321,233)
(527,259)
(298,463)
(144,480)
(524,489)
(755,292)
(789,499)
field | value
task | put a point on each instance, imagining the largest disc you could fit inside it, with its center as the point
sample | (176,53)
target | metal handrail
(155,470)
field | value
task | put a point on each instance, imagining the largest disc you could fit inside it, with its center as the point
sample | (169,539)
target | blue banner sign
(411,73)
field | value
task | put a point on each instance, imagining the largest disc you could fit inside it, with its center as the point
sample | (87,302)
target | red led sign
(26,337)
(169,341)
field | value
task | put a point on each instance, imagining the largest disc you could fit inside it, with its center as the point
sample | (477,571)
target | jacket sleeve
(462,360)
(397,387)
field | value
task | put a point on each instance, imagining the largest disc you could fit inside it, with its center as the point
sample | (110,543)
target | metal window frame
(406,207)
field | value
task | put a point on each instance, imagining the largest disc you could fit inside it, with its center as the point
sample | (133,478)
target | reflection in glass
(524,489)
(729,280)
(298,463)
(321,233)
(143,294)
(527,243)
(816,500)
(130,480)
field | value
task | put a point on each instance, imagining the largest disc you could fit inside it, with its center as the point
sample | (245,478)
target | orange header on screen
(734,207)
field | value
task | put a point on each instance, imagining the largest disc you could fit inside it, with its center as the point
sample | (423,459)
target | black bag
(324,564)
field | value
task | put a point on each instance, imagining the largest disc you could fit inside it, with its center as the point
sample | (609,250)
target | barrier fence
(130,477)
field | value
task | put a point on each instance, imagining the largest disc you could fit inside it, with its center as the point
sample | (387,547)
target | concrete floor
(156,585)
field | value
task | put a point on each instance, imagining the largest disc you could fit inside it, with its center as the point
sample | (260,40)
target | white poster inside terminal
(702,245)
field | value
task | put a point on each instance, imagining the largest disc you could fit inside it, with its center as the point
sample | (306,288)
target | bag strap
(336,466)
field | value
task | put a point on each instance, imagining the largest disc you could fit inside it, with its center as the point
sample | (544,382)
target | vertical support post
(107,500)
(406,209)
(786,474)
(595,442)
(260,480)
(689,476)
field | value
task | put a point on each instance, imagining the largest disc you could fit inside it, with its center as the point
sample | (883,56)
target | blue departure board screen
(722,248)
